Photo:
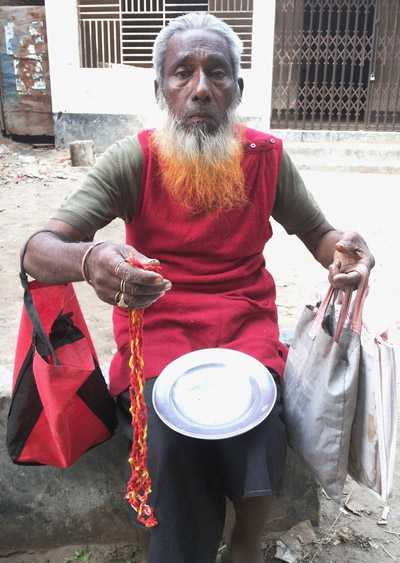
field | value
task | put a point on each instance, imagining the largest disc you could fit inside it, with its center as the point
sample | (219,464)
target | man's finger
(334,268)
(343,281)
(140,302)
(349,248)
(124,271)
(135,290)
(131,253)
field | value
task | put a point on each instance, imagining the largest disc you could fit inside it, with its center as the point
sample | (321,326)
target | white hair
(196,20)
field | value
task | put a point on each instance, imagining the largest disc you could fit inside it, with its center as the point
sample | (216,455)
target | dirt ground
(33,181)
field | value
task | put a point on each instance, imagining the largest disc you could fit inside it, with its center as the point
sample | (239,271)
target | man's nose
(201,89)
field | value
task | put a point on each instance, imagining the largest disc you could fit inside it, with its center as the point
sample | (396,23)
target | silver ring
(122,286)
(119,300)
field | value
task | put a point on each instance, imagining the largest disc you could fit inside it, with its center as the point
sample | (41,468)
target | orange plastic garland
(139,484)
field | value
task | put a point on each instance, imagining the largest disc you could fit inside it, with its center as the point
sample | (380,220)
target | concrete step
(344,150)
(345,156)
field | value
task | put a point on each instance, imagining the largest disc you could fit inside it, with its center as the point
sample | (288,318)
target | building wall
(84,101)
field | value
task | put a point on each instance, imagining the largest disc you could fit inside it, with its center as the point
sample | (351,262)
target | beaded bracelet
(84,260)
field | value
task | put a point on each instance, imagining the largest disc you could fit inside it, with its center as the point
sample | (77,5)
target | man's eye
(218,74)
(182,74)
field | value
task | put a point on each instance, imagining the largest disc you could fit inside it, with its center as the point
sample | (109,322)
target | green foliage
(80,556)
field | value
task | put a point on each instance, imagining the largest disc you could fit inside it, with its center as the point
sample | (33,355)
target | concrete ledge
(46,507)
(70,127)
(319,136)
(43,507)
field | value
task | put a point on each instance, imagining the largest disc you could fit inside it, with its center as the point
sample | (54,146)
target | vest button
(252,145)
(272,141)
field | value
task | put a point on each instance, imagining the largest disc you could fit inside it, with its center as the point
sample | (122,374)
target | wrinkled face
(198,83)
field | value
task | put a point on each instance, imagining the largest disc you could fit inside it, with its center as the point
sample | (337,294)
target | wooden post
(82,153)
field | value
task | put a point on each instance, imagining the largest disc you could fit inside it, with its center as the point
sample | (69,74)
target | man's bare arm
(345,254)
(57,259)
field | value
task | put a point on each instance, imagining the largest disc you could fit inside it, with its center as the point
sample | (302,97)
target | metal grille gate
(123,31)
(336,65)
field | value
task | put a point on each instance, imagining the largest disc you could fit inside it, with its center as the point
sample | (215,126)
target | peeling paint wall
(25,82)
(28,61)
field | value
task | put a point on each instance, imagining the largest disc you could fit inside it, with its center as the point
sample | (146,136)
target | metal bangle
(84,260)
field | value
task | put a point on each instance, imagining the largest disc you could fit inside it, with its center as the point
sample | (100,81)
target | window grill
(336,65)
(123,31)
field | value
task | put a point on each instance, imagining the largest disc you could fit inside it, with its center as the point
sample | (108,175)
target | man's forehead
(197,42)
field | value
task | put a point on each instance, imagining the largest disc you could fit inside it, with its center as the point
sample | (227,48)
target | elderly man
(197,196)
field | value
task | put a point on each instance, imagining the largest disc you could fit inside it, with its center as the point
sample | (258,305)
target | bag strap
(38,330)
(344,312)
(362,292)
(356,317)
(331,294)
(22,272)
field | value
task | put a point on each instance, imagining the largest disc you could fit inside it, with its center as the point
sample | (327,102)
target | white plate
(214,393)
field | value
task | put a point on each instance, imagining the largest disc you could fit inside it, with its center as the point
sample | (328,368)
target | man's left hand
(351,261)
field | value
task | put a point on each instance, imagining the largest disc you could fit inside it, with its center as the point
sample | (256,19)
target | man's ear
(156,89)
(241,86)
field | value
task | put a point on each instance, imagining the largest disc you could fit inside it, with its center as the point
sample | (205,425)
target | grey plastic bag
(320,387)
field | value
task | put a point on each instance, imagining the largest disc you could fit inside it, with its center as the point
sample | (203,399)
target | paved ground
(33,182)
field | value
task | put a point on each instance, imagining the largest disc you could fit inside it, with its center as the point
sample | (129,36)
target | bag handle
(322,311)
(356,317)
(362,292)
(28,301)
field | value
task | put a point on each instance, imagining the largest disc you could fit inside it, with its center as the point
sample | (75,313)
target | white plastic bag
(373,436)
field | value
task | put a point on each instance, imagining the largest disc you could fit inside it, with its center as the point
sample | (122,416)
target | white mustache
(190,144)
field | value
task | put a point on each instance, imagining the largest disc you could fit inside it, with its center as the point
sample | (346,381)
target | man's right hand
(52,257)
(109,273)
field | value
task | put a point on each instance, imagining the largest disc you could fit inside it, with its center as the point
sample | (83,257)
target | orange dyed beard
(200,183)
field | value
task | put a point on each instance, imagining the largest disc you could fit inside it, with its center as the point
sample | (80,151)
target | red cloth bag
(60,404)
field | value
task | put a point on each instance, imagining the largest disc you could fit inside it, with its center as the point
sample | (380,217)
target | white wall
(129,90)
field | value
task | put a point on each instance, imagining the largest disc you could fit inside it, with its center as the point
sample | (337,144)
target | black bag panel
(96,396)
(25,409)
(63,331)
(93,391)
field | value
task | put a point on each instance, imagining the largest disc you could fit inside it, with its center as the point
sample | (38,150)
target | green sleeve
(109,190)
(294,208)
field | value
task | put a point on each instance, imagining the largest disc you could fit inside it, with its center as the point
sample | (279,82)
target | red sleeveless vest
(222,295)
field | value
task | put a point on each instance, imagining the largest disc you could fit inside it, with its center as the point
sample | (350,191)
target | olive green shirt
(111,189)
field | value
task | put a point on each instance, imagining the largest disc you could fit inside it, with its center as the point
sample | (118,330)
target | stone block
(44,507)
